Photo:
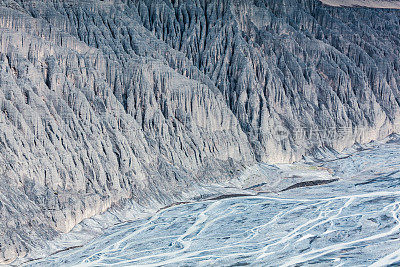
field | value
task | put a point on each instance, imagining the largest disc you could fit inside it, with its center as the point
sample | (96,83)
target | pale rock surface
(392,4)
(105,101)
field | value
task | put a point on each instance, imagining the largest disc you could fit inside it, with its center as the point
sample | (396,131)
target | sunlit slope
(364,3)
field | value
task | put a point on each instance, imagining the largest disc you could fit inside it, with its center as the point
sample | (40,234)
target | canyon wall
(107,101)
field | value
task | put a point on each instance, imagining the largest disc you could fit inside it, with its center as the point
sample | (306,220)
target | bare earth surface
(118,104)
(394,4)
(354,221)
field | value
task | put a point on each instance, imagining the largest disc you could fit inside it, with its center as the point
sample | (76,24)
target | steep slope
(295,64)
(103,101)
(73,144)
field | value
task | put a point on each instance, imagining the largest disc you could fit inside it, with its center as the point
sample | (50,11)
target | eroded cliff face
(291,64)
(103,101)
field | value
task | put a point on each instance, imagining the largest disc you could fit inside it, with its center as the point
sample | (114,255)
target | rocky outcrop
(103,101)
(296,65)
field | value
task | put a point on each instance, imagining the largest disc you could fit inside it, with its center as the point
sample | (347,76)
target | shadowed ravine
(353,221)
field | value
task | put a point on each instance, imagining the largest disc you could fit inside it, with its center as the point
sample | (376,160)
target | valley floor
(352,221)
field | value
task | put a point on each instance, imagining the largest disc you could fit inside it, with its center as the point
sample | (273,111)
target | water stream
(354,221)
